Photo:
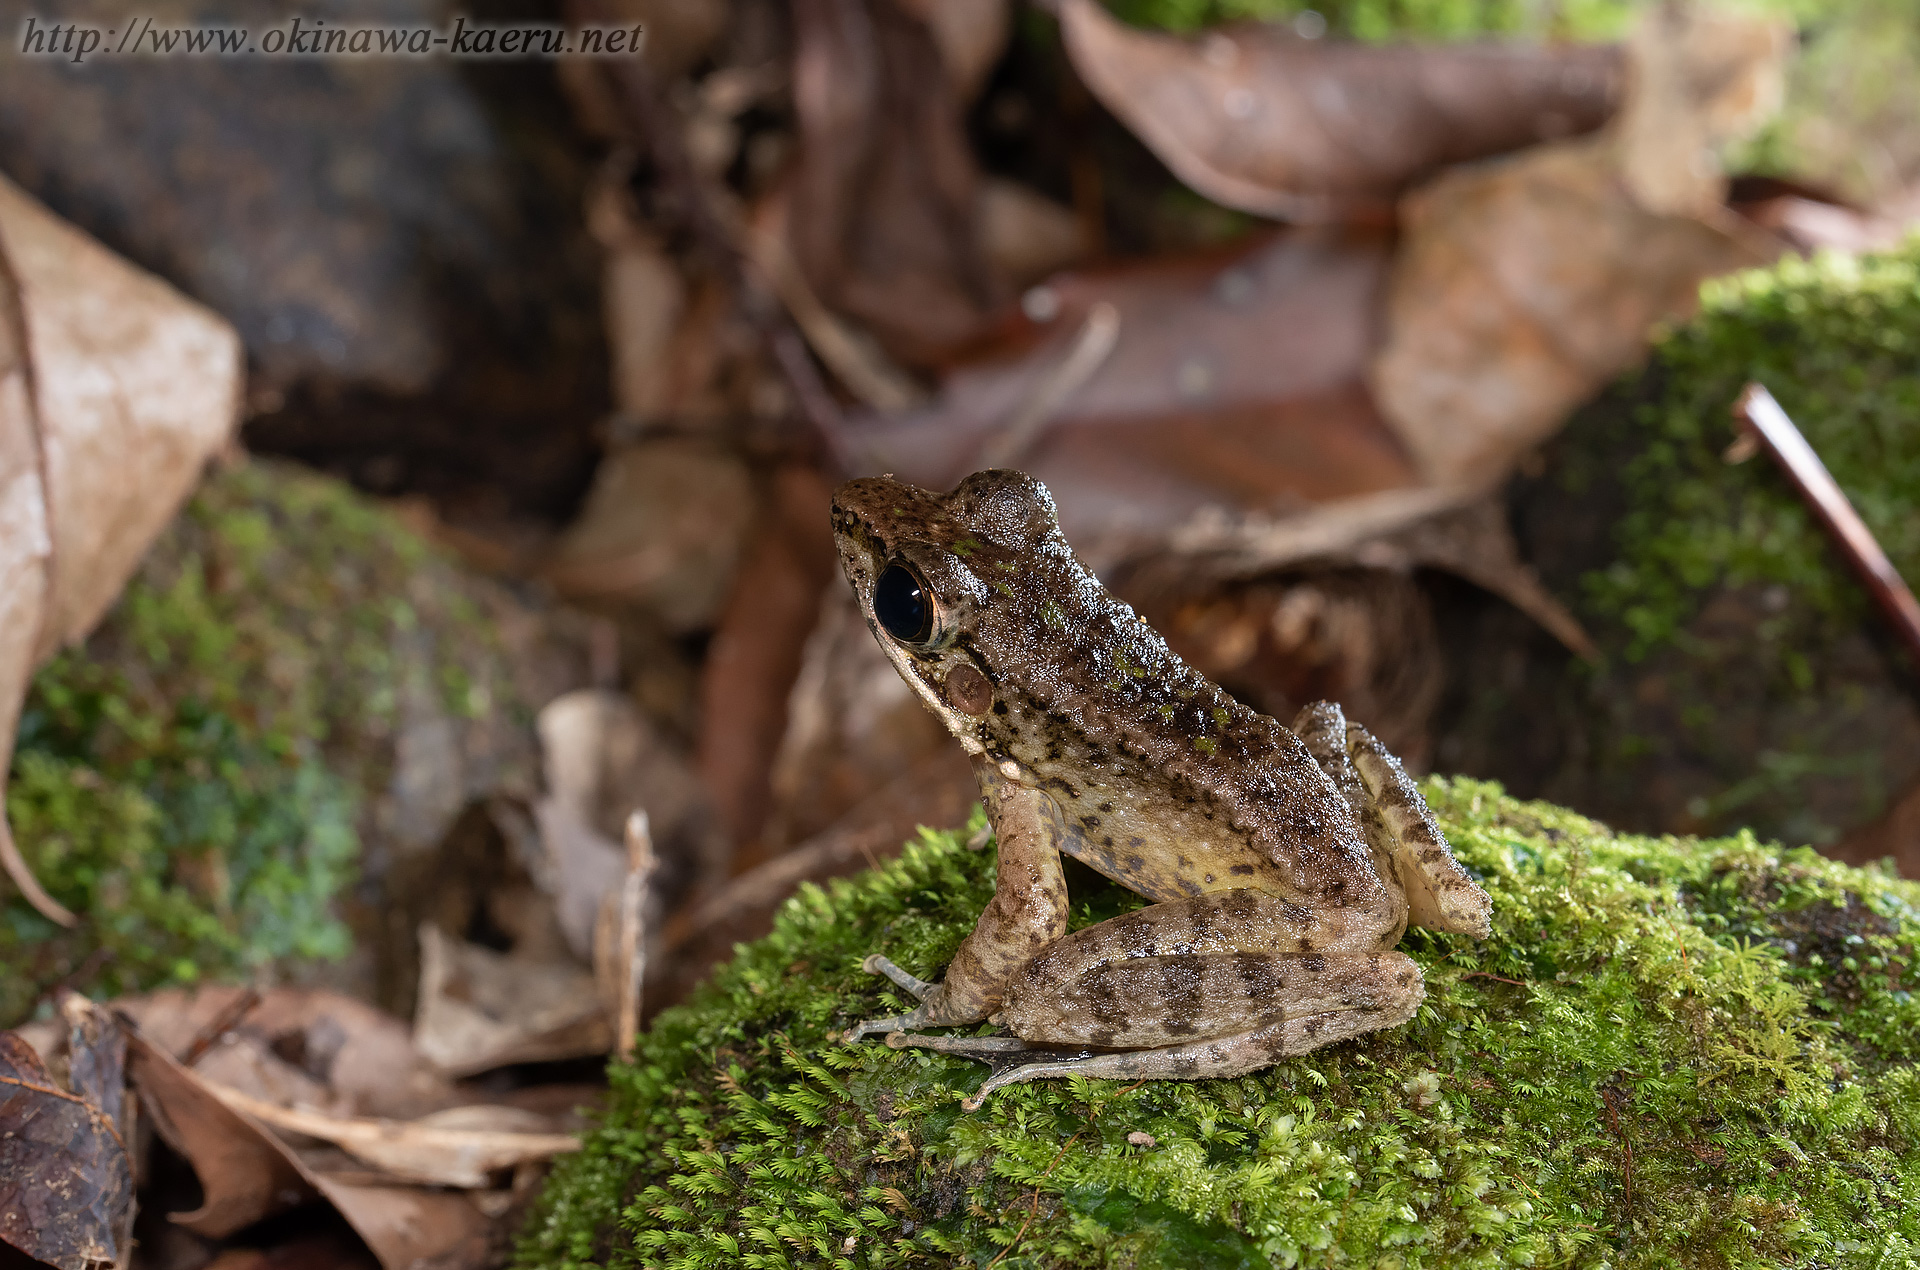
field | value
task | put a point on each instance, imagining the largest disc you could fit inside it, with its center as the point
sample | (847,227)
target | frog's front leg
(1028,912)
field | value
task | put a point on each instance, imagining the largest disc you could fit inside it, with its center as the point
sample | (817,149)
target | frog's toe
(875,964)
(916,1017)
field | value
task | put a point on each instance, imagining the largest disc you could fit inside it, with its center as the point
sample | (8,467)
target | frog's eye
(903,604)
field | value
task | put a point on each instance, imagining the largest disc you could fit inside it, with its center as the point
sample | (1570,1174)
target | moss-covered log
(1671,1052)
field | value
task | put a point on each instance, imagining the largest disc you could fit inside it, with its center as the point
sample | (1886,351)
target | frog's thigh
(1391,1000)
(1149,1002)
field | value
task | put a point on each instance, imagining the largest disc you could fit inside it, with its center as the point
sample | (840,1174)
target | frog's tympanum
(1283,863)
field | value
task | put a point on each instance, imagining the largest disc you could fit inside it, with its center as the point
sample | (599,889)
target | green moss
(1383,20)
(1837,340)
(1748,679)
(197,779)
(1669,1053)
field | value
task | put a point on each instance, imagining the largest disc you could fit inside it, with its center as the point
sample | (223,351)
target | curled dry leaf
(1263,120)
(1525,284)
(248,1173)
(461,1146)
(604,761)
(853,727)
(114,391)
(1457,530)
(244,1174)
(66,1181)
(480,1009)
(307,1045)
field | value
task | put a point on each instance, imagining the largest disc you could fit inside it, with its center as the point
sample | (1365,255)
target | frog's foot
(1222,1056)
(1000,1052)
(919,1016)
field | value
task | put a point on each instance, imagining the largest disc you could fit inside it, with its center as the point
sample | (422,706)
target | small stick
(224,1022)
(633,943)
(1085,356)
(1763,416)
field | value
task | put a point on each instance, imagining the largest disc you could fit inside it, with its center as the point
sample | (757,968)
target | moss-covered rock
(293,689)
(1747,678)
(1671,1052)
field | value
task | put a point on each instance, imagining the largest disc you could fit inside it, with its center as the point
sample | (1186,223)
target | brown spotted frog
(1283,864)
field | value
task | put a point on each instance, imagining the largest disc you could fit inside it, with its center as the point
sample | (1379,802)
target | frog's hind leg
(1410,854)
(1216,1057)
(1440,894)
(1215,985)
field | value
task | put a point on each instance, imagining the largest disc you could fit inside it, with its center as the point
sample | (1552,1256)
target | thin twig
(1762,414)
(1488,974)
(1087,354)
(633,942)
(224,1022)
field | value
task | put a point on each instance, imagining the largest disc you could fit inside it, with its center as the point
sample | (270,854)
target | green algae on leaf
(1669,1053)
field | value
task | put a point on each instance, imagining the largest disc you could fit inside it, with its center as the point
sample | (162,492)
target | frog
(1280,864)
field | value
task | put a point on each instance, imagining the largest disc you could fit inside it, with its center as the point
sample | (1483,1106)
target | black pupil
(902,606)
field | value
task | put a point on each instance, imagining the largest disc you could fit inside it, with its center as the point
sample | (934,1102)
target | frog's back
(1166,782)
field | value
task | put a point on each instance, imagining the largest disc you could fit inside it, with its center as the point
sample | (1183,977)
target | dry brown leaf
(307,1045)
(114,391)
(882,199)
(1362,637)
(605,760)
(663,527)
(853,727)
(1258,118)
(1525,284)
(247,1173)
(756,652)
(461,1146)
(938,791)
(480,1009)
(1236,382)
(971,35)
(1027,235)
(66,1180)
(1458,530)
